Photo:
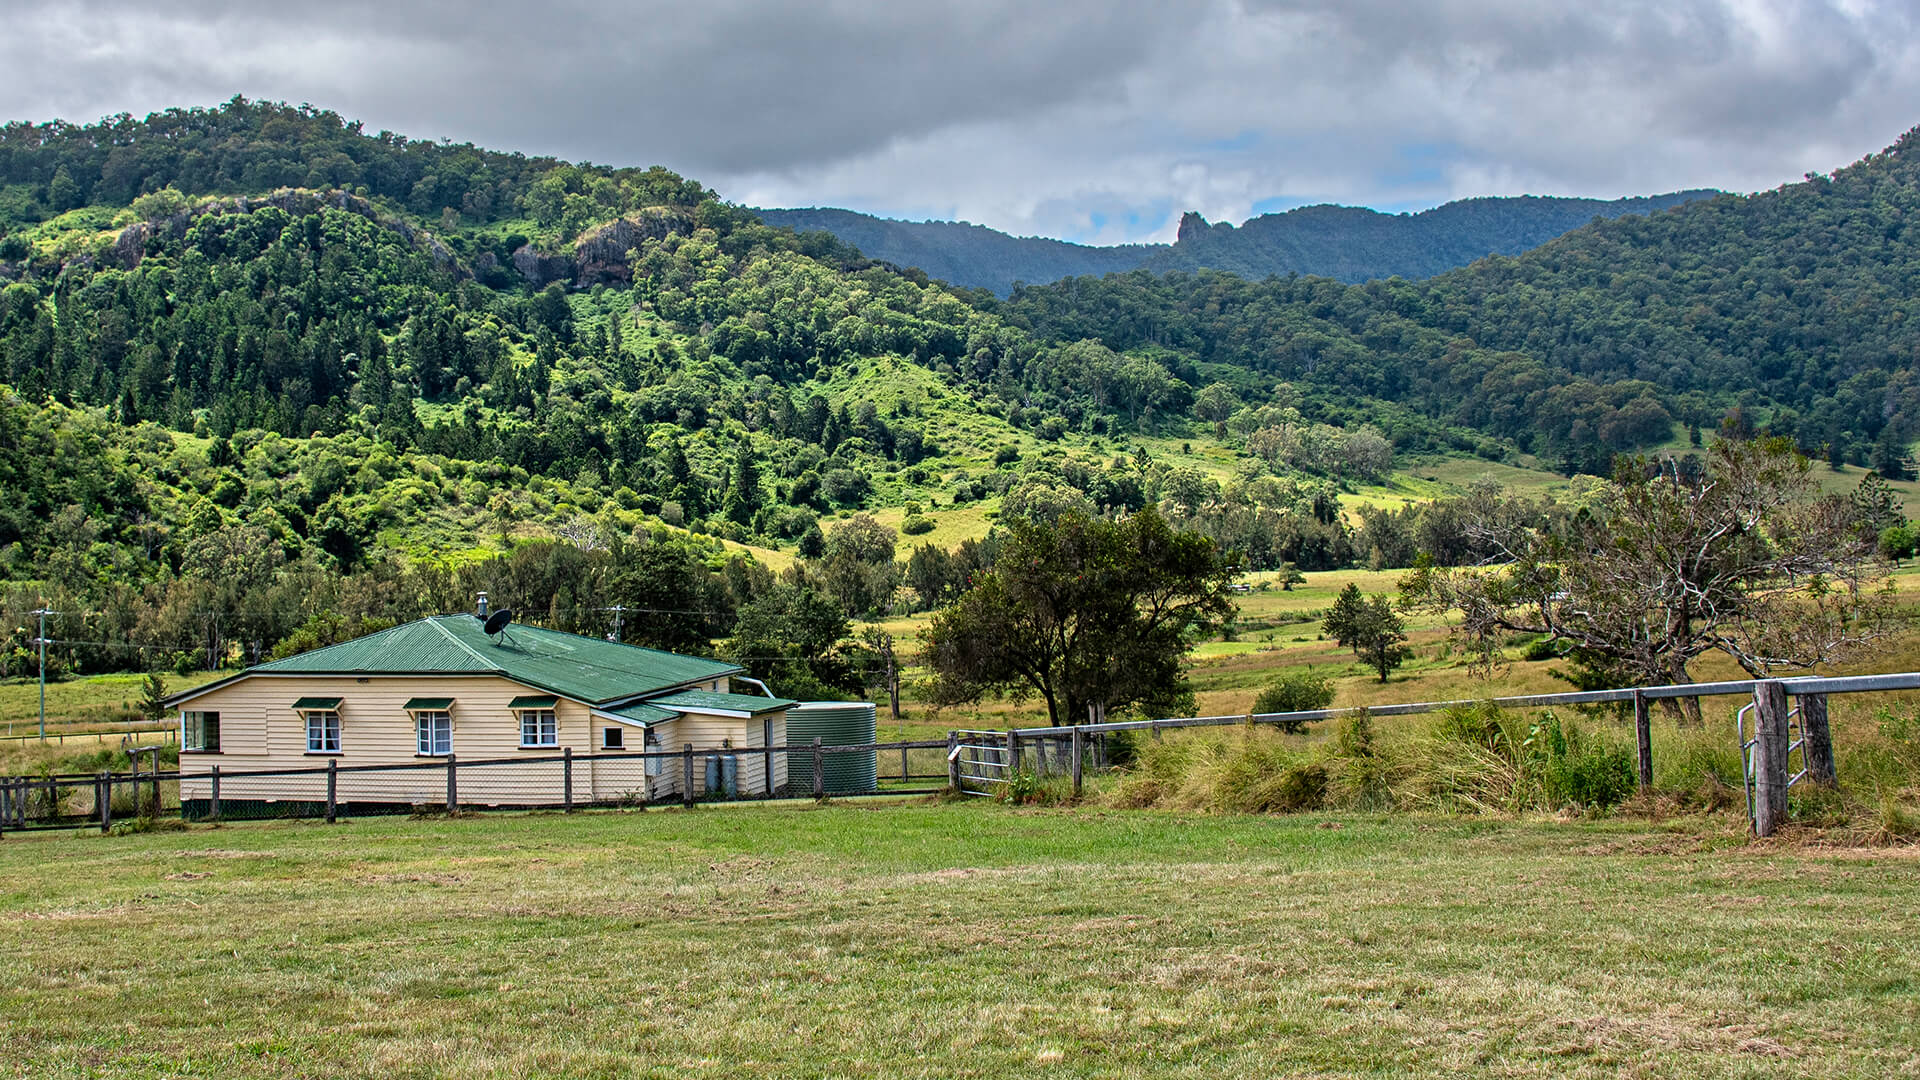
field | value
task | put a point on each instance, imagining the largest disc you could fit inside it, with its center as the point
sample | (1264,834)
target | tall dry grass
(1482,760)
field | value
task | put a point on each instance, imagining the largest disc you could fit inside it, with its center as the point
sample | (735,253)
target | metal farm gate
(982,762)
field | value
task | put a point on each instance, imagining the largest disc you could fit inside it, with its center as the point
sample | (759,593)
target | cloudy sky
(1093,120)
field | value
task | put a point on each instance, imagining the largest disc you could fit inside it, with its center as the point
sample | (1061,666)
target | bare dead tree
(1743,557)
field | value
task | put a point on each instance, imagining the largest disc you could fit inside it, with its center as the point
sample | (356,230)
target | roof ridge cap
(434,621)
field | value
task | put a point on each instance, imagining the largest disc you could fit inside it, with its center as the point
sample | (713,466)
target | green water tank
(835,723)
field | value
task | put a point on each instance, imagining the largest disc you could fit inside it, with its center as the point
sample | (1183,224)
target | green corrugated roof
(707,699)
(582,668)
(641,714)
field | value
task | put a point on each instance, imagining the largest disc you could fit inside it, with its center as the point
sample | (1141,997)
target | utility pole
(619,617)
(42,642)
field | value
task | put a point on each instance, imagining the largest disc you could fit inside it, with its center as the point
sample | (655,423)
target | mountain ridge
(1346,243)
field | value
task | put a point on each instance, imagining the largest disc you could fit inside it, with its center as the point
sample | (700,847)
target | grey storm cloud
(1097,119)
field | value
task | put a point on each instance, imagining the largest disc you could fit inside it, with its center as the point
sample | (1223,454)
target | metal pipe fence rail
(1796,687)
(563,781)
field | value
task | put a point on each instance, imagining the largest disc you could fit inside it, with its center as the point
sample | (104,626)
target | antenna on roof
(497,622)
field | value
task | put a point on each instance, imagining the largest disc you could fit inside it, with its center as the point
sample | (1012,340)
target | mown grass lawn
(953,940)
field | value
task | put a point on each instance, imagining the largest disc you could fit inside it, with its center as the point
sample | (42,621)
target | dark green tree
(791,637)
(1370,627)
(743,489)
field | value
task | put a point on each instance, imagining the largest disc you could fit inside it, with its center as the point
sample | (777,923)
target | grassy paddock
(954,940)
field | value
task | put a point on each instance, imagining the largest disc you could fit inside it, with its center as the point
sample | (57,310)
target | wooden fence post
(1770,756)
(103,791)
(453,787)
(333,787)
(1013,752)
(154,775)
(566,779)
(213,803)
(1816,740)
(903,761)
(1156,731)
(953,759)
(1078,749)
(819,770)
(686,775)
(1643,732)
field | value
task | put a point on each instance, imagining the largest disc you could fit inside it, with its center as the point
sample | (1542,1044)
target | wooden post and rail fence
(1788,716)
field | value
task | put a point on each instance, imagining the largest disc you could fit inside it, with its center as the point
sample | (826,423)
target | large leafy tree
(1742,556)
(1082,611)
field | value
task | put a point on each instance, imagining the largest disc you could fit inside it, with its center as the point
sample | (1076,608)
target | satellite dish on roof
(498,621)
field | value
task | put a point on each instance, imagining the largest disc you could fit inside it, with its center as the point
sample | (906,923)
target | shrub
(916,525)
(1359,775)
(1302,691)
(1577,771)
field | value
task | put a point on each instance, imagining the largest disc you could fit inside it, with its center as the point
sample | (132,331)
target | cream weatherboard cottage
(502,705)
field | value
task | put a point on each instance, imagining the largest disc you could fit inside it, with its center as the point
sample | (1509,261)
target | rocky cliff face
(600,255)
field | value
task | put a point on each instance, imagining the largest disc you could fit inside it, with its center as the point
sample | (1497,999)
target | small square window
(613,738)
(323,731)
(538,728)
(200,731)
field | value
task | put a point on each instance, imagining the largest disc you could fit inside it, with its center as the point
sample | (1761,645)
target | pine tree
(1890,456)
(743,491)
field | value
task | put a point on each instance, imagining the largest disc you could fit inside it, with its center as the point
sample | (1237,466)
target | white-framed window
(613,737)
(538,728)
(433,732)
(323,731)
(200,732)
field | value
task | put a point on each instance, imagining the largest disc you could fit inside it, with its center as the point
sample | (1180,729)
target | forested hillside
(1791,310)
(972,256)
(1348,243)
(262,363)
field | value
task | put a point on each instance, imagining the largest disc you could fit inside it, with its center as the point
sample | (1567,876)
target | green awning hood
(316,703)
(428,703)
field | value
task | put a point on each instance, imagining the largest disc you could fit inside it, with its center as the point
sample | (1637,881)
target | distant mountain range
(1345,242)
